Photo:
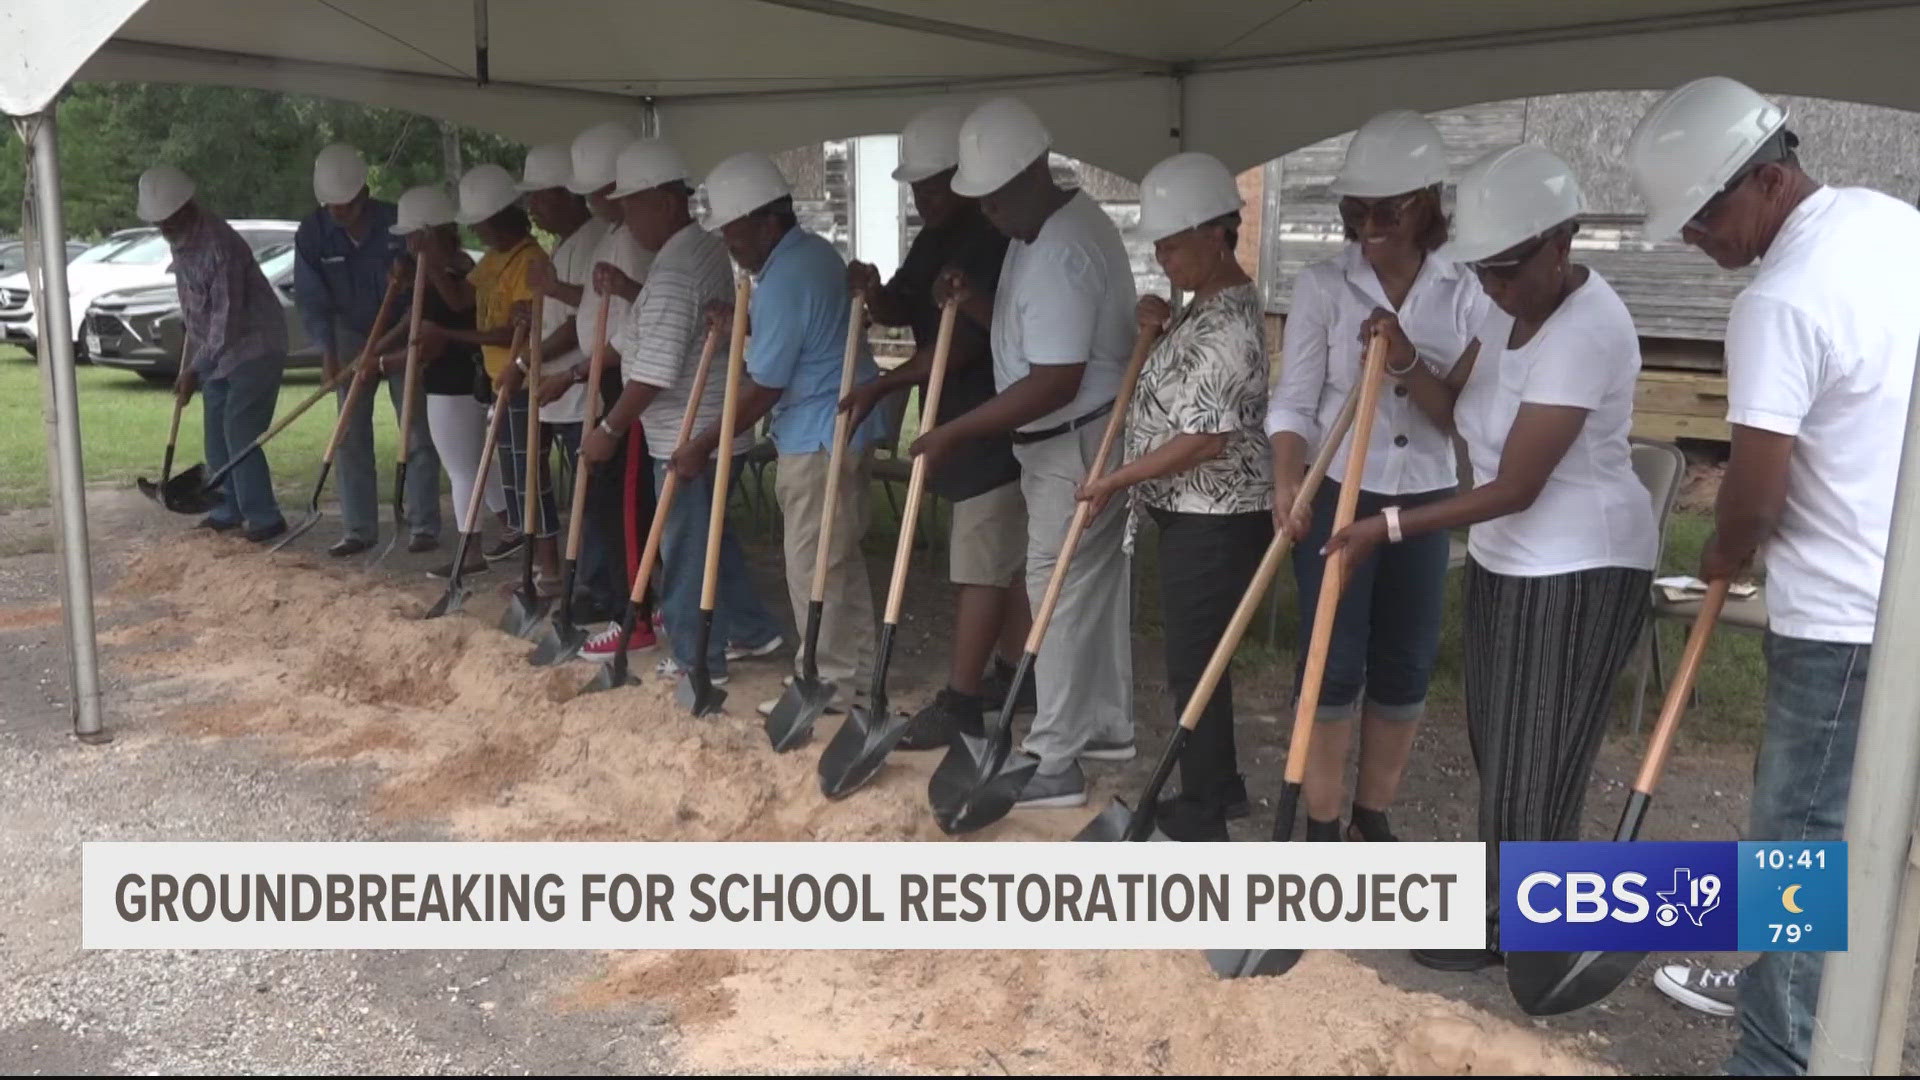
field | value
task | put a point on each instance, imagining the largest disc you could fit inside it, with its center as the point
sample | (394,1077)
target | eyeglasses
(1386,213)
(1507,267)
(1718,199)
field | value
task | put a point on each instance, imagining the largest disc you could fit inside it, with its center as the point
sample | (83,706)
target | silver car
(139,329)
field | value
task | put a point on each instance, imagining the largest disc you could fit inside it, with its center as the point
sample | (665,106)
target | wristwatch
(605,430)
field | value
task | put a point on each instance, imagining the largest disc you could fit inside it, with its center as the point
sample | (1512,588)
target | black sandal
(1370,826)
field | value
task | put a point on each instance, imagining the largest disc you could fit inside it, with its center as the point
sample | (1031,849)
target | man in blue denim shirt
(342,252)
(798,321)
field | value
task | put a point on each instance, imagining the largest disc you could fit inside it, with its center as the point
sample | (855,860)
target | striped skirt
(1542,657)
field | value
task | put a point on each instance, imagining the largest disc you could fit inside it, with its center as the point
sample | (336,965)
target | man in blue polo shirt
(342,252)
(799,325)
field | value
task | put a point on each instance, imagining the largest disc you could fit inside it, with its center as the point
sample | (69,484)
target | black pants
(1206,562)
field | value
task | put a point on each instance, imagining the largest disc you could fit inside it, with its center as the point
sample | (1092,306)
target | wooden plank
(1677,393)
(1668,426)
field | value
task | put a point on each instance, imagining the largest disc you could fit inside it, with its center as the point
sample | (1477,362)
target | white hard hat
(740,185)
(423,207)
(998,139)
(163,191)
(339,172)
(1394,153)
(547,166)
(646,164)
(594,151)
(930,143)
(1508,197)
(1183,191)
(485,191)
(1686,148)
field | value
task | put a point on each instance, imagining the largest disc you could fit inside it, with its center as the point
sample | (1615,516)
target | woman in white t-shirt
(1387,629)
(1562,542)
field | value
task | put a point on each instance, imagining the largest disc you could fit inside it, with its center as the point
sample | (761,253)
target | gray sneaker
(1063,789)
(1710,990)
(1107,750)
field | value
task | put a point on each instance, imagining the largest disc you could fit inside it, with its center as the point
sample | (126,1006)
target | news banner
(1644,896)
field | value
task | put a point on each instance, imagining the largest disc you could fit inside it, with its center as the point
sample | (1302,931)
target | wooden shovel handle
(530,488)
(497,417)
(1680,688)
(577,513)
(1083,512)
(671,485)
(917,477)
(1269,566)
(360,367)
(410,393)
(842,429)
(1333,577)
(729,409)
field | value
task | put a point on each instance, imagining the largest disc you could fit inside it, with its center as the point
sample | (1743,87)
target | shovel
(870,733)
(696,692)
(1238,963)
(409,403)
(564,637)
(1549,983)
(614,672)
(194,492)
(806,696)
(148,487)
(974,785)
(1117,822)
(525,608)
(359,371)
(457,592)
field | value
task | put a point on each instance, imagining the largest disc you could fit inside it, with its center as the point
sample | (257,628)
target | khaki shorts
(989,538)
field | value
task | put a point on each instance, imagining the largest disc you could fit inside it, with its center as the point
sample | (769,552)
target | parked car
(13,254)
(139,258)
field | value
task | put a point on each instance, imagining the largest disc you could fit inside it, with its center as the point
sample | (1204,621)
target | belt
(1023,438)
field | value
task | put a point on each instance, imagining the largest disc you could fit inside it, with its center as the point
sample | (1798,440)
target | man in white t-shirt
(563,391)
(1062,326)
(1820,360)
(659,343)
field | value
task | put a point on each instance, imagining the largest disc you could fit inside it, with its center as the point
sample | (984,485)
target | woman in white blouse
(1387,631)
(1196,463)
(1562,545)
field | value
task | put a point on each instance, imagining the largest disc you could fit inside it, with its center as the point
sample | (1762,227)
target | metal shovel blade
(306,525)
(559,644)
(1115,825)
(1550,983)
(1252,963)
(790,724)
(699,696)
(525,611)
(182,493)
(981,787)
(858,749)
(450,601)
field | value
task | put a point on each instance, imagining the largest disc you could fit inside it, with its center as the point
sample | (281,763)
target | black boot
(1190,819)
(933,727)
(1323,831)
(1370,826)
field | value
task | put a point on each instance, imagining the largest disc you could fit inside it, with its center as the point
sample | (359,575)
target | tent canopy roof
(1122,82)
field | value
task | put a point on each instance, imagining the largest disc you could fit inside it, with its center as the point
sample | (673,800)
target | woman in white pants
(451,374)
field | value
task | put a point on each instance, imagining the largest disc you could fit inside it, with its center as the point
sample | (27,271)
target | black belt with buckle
(1023,438)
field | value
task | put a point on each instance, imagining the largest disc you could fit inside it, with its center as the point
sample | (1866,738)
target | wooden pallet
(1681,405)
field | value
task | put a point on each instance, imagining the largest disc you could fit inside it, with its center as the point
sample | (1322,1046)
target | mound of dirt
(335,665)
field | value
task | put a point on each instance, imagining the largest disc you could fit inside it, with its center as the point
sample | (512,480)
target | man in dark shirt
(982,479)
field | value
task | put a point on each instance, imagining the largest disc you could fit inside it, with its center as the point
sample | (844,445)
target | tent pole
(56,349)
(1854,994)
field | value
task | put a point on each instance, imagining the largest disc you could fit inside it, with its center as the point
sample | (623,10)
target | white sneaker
(671,669)
(835,706)
(1710,990)
(741,652)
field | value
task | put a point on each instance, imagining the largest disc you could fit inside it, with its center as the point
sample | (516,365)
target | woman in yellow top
(490,204)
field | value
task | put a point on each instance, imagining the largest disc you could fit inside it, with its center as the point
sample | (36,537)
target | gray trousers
(354,461)
(1084,673)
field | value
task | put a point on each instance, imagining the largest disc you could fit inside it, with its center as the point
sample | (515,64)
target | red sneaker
(604,644)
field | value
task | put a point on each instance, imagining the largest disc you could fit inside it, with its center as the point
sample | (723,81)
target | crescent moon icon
(1786,899)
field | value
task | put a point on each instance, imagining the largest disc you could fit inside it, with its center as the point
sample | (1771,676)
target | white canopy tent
(1121,82)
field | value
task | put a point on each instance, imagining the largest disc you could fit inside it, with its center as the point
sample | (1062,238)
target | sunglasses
(1507,266)
(1355,212)
(1718,199)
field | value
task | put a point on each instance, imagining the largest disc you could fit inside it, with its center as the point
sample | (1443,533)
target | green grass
(123,428)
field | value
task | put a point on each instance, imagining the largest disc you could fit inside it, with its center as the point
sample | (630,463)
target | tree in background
(249,151)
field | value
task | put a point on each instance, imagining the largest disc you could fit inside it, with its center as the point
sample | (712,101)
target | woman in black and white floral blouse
(1197,461)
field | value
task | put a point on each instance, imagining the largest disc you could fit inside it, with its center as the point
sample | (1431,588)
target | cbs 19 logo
(1582,896)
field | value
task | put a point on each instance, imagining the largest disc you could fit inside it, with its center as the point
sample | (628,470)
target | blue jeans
(355,465)
(602,567)
(236,410)
(512,455)
(739,617)
(1800,784)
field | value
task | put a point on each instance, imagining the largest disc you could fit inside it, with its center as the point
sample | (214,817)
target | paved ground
(67,1011)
